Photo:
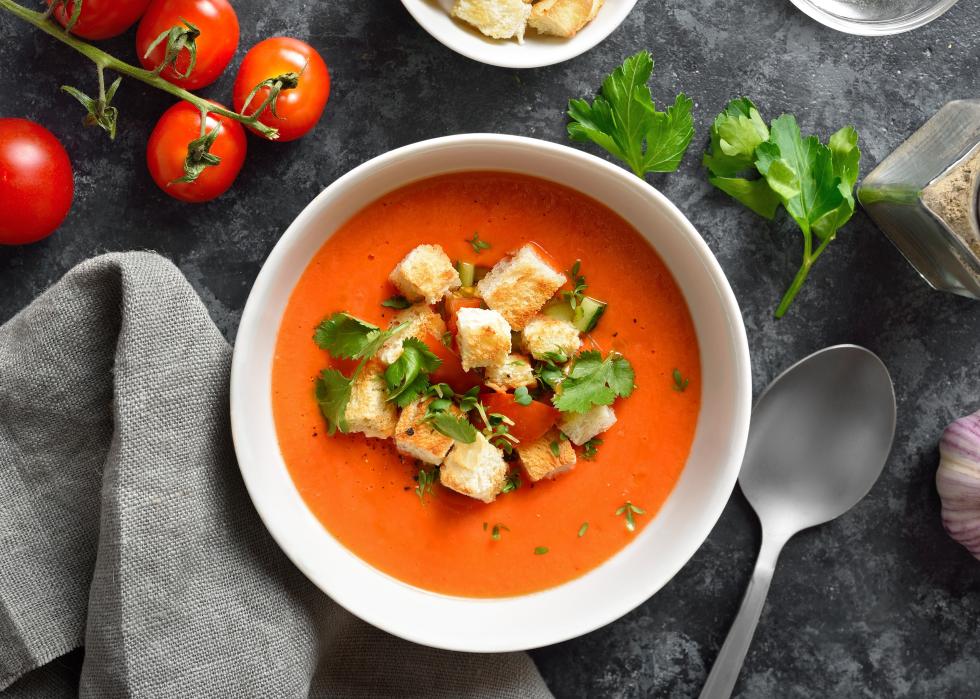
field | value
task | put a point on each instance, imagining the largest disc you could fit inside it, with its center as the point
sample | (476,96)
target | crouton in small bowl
(490,393)
(519,33)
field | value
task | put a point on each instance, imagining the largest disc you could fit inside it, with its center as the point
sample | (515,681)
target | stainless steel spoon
(820,435)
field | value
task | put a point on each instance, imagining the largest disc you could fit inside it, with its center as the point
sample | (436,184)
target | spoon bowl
(820,436)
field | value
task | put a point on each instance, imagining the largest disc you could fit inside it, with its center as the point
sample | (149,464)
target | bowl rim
(241,372)
(878,27)
(562,52)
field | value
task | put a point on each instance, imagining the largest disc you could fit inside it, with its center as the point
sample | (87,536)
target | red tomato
(530,421)
(453,304)
(300,108)
(167,149)
(101,19)
(215,46)
(451,370)
(36,184)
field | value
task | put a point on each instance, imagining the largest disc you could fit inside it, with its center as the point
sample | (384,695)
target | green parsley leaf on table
(623,120)
(457,428)
(594,381)
(768,168)
(408,376)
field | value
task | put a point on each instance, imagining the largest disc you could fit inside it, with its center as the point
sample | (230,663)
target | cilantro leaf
(333,393)
(594,381)
(812,181)
(457,428)
(522,397)
(397,302)
(623,120)
(343,335)
(408,376)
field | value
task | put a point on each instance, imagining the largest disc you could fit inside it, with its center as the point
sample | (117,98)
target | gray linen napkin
(125,526)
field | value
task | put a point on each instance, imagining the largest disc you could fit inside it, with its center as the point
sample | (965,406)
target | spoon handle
(724,673)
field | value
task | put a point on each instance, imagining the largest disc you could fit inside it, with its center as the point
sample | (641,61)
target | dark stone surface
(879,603)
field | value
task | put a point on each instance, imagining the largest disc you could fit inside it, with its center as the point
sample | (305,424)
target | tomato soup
(363,490)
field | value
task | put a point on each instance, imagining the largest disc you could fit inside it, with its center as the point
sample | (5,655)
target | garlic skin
(958,481)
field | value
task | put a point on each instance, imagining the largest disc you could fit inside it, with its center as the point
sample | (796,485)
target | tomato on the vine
(298,108)
(100,19)
(216,44)
(166,152)
(36,183)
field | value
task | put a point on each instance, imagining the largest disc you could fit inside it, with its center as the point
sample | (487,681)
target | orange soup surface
(363,490)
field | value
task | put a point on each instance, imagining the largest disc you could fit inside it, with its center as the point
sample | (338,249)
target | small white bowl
(536,51)
(616,586)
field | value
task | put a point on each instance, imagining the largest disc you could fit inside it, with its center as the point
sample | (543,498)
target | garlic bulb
(958,481)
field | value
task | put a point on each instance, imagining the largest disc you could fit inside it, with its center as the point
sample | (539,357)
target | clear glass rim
(895,25)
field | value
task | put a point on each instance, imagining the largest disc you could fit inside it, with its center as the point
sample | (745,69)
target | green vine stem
(104,60)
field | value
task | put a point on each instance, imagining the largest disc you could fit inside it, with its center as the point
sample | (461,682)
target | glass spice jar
(924,196)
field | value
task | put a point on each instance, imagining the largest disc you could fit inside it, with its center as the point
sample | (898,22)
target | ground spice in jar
(953,198)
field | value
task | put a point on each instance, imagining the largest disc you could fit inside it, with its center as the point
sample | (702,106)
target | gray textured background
(879,603)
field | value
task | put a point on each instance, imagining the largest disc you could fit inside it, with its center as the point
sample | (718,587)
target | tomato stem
(103,60)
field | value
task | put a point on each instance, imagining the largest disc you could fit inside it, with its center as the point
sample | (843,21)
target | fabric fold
(125,525)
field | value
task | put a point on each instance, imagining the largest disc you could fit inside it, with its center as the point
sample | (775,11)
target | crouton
(545,334)
(483,337)
(498,19)
(425,273)
(539,457)
(421,320)
(368,409)
(477,469)
(513,373)
(519,286)
(419,439)
(563,17)
(581,427)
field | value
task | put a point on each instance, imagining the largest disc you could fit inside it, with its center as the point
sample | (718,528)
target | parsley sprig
(408,376)
(624,121)
(477,244)
(345,337)
(629,510)
(594,381)
(426,483)
(575,296)
(512,483)
(765,167)
(680,381)
(591,449)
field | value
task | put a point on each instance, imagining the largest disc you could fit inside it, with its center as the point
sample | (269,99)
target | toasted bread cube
(425,273)
(498,19)
(422,321)
(545,334)
(477,469)
(563,17)
(514,372)
(419,439)
(581,427)
(368,409)
(539,457)
(519,286)
(483,337)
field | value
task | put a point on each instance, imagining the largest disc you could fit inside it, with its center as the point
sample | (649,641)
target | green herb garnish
(594,381)
(584,528)
(512,483)
(426,483)
(495,532)
(555,449)
(522,397)
(540,550)
(457,428)
(624,121)
(591,448)
(764,167)
(680,383)
(629,509)
(477,244)
(398,302)
(408,376)
(574,297)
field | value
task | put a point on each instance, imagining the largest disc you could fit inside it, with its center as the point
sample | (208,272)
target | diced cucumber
(560,310)
(480,273)
(588,313)
(466,272)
